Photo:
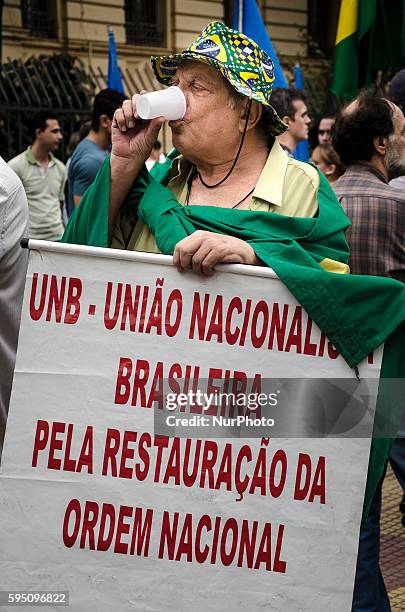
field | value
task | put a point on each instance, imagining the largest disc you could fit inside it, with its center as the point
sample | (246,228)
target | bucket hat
(237,57)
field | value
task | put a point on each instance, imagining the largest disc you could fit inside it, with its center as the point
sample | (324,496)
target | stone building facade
(145,27)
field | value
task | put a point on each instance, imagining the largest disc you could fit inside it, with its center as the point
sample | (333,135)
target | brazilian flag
(370,37)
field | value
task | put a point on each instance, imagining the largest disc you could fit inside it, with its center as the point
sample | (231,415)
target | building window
(145,22)
(38,17)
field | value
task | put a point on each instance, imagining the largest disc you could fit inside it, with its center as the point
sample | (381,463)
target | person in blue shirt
(92,150)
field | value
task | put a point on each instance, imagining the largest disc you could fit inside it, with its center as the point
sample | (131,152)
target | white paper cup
(169,103)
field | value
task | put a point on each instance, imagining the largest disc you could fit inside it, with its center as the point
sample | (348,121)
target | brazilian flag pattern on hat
(237,57)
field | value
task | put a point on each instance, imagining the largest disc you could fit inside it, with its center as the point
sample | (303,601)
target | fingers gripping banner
(164,448)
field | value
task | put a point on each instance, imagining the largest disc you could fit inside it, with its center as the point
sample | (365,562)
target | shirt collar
(367,168)
(180,167)
(269,186)
(32,159)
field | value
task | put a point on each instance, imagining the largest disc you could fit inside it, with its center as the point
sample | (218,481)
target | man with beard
(370,139)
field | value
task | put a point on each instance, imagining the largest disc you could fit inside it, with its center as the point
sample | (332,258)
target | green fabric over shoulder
(357,313)
(88,225)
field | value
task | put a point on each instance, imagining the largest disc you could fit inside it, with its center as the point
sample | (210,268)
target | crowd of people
(55,189)
(361,152)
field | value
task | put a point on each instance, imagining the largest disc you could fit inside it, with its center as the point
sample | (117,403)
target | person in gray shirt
(13,266)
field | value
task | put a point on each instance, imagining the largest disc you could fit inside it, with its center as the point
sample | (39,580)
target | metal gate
(57,83)
(63,85)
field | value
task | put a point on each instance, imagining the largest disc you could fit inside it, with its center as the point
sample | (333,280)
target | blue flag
(301,152)
(247,19)
(114,79)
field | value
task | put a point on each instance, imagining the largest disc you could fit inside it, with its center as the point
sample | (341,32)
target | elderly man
(396,93)
(230,158)
(234,196)
(370,139)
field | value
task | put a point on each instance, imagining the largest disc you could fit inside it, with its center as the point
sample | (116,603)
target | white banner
(95,502)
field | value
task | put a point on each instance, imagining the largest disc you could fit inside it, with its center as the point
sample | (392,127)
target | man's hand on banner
(132,137)
(202,250)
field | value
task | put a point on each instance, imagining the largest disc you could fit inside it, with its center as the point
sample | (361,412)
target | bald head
(350,108)
(371,129)
(357,103)
(369,116)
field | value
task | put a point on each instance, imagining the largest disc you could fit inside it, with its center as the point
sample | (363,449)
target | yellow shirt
(285,186)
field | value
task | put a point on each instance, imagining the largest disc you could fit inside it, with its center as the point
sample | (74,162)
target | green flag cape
(357,313)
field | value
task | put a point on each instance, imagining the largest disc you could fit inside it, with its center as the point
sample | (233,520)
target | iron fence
(57,83)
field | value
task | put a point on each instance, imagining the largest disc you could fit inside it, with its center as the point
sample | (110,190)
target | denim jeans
(370,594)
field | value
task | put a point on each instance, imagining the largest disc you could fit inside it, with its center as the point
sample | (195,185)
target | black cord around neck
(189,182)
(196,172)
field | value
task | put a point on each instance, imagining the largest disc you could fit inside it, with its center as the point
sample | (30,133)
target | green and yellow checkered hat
(237,57)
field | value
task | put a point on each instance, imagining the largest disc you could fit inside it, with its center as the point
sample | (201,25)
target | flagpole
(248,19)
(240,16)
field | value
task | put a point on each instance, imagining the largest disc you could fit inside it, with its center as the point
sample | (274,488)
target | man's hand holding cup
(137,123)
